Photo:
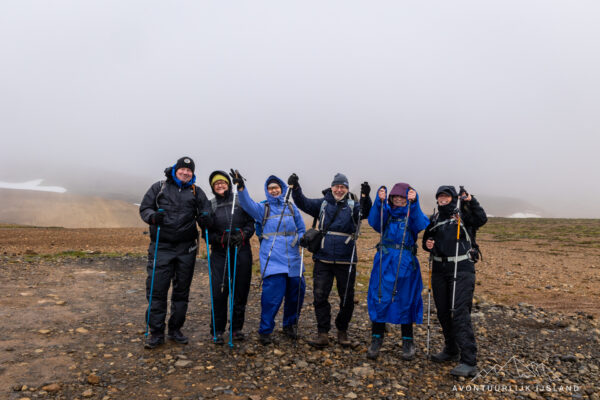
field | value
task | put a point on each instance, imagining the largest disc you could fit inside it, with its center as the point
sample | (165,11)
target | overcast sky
(500,96)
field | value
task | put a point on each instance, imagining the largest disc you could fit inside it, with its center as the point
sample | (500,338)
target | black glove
(237,239)
(365,189)
(158,217)
(462,193)
(237,178)
(302,242)
(293,181)
(205,219)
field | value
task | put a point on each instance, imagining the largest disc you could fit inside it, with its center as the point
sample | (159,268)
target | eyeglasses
(220,183)
(274,187)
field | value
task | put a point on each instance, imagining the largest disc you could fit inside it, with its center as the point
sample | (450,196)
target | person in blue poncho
(395,286)
(282,275)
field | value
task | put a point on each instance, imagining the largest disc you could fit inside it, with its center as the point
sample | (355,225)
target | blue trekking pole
(152,280)
(231,299)
(229,289)
(212,307)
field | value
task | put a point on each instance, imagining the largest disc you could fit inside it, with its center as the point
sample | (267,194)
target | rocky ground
(73,327)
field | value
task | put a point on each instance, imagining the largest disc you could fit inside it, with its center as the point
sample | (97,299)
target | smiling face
(220,187)
(398,201)
(444,199)
(339,191)
(274,189)
(184,174)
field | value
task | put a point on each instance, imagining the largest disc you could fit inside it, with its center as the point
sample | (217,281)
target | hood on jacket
(447,210)
(284,187)
(226,175)
(400,189)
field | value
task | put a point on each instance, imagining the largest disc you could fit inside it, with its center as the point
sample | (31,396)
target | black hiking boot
(218,339)
(376,342)
(238,335)
(408,349)
(154,341)
(265,339)
(465,370)
(444,356)
(177,337)
(291,331)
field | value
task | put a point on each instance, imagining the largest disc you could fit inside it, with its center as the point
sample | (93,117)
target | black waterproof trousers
(175,263)
(323,276)
(220,287)
(458,330)
(378,328)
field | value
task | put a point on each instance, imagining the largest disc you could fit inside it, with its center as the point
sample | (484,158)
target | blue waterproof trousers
(275,289)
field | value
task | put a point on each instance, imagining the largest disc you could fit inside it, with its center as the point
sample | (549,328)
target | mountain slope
(27,207)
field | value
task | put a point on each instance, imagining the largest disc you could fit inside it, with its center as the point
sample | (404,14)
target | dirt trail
(73,327)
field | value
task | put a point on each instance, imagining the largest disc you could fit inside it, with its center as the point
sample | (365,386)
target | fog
(500,96)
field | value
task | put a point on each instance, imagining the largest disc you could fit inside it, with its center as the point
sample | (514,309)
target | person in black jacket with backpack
(242,229)
(175,205)
(338,217)
(440,239)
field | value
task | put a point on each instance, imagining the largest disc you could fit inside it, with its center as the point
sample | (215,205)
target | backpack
(260,226)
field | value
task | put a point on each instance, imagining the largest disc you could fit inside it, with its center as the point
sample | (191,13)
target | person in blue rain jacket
(282,275)
(395,286)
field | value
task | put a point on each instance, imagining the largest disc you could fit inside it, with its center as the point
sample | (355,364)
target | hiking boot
(238,335)
(291,331)
(343,339)
(465,370)
(408,349)
(265,339)
(443,356)
(154,341)
(218,339)
(177,337)
(376,342)
(320,341)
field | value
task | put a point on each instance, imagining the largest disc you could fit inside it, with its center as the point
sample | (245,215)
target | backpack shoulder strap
(321,215)
(213,204)
(266,214)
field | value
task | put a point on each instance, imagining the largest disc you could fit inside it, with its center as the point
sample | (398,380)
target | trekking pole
(401,251)
(455,258)
(228,240)
(429,305)
(229,287)
(212,307)
(231,298)
(380,247)
(299,290)
(152,280)
(352,257)
(285,205)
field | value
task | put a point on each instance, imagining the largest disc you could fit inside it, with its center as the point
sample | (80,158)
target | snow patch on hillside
(32,185)
(524,215)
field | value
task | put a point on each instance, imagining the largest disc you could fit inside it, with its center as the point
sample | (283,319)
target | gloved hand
(158,217)
(237,239)
(293,181)
(463,194)
(205,219)
(302,242)
(237,178)
(365,189)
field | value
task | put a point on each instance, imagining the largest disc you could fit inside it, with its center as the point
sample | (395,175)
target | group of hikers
(175,207)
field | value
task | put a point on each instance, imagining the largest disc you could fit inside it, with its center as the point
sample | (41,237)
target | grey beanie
(340,179)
